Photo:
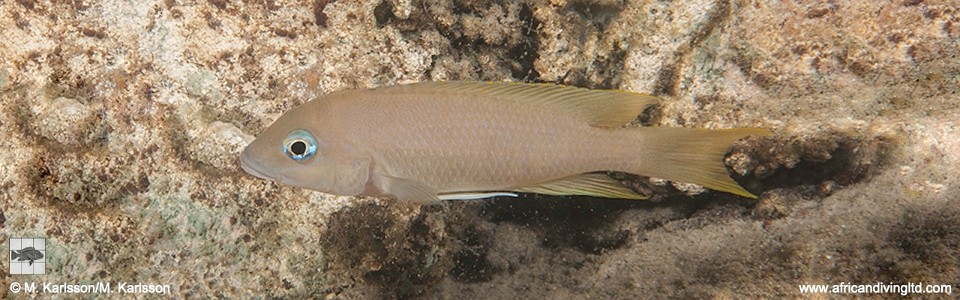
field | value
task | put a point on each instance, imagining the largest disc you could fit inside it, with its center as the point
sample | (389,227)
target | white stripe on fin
(475,196)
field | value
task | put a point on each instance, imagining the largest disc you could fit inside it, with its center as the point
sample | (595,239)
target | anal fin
(590,184)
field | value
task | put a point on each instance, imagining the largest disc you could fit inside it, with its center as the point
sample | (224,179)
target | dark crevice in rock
(578,222)
(470,262)
(610,68)
(516,55)
(923,238)
(667,78)
(400,253)
(717,16)
(526,51)
(832,158)
(590,20)
(749,64)
(383,13)
(320,17)
(599,13)
(669,75)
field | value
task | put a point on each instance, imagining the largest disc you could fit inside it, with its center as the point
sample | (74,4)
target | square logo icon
(28,256)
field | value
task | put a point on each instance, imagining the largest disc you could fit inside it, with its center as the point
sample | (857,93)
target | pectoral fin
(590,184)
(407,190)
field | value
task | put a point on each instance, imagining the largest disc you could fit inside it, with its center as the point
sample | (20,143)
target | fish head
(302,149)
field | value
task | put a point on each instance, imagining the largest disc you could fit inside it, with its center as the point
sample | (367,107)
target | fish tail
(14,255)
(692,156)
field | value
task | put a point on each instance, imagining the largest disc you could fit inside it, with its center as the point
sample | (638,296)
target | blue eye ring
(299,145)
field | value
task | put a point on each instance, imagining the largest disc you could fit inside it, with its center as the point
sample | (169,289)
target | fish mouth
(251,168)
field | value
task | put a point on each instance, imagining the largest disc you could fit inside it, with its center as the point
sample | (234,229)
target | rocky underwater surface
(121,124)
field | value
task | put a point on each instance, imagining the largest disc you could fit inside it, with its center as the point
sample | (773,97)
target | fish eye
(299,145)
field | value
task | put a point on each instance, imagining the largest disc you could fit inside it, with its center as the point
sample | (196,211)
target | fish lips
(258,169)
(249,166)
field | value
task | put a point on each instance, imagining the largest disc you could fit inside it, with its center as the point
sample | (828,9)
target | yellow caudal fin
(692,156)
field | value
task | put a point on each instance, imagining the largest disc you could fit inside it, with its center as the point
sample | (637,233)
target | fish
(455,140)
(28,253)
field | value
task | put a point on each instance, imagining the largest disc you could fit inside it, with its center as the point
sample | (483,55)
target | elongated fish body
(423,141)
(475,143)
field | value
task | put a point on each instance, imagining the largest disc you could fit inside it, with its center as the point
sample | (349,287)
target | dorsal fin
(590,184)
(599,108)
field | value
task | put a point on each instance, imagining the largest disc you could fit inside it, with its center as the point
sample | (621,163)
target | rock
(61,119)
(120,123)
(219,144)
